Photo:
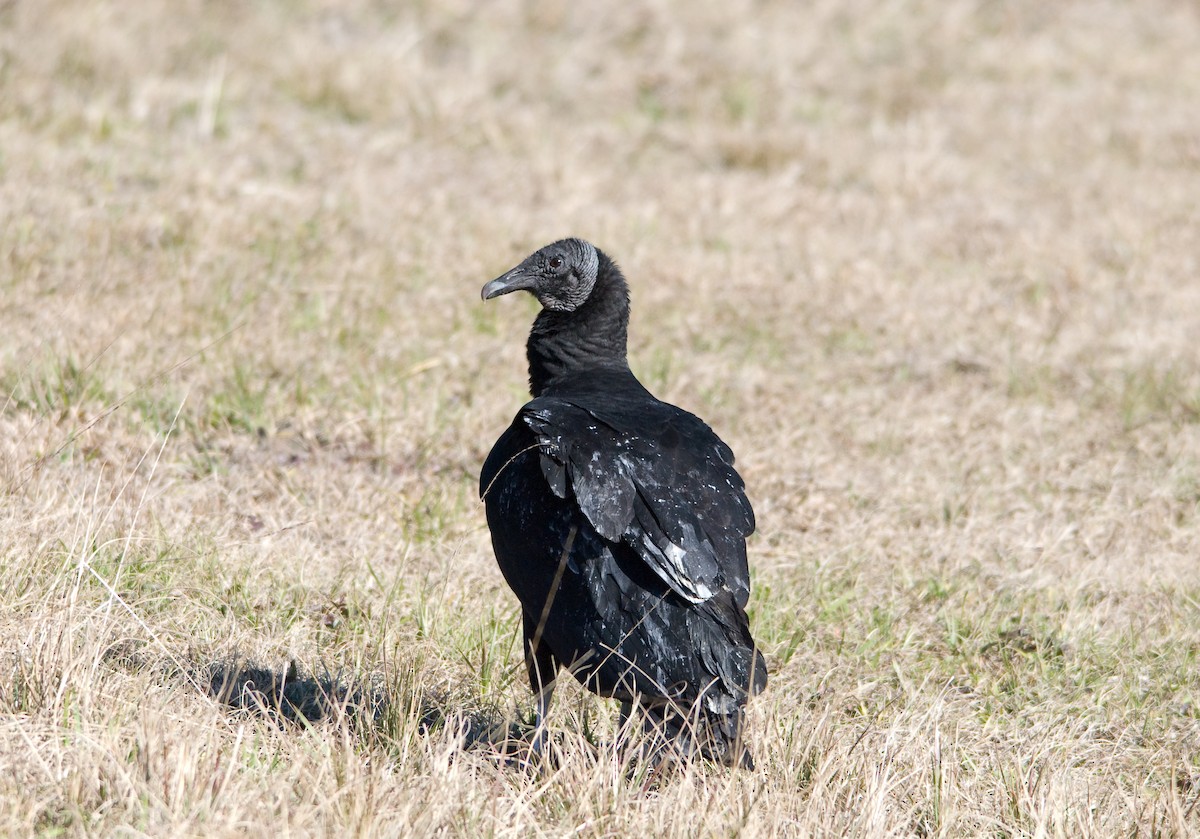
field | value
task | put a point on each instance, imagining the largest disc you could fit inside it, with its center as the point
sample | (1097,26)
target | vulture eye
(556,262)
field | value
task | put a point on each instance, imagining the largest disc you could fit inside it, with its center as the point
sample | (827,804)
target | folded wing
(668,489)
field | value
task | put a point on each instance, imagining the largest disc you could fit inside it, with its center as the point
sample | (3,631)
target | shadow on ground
(290,696)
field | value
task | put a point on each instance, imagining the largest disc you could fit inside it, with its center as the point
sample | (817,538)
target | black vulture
(620,523)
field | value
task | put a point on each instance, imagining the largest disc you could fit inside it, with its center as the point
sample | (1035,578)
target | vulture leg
(543,670)
(626,713)
(626,734)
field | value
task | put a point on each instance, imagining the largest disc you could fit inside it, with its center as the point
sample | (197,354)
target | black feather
(640,500)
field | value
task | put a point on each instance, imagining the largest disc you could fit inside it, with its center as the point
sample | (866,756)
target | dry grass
(931,269)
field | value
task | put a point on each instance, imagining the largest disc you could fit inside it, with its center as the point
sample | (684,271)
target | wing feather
(670,491)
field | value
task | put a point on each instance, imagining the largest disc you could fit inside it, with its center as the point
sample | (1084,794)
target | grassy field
(933,271)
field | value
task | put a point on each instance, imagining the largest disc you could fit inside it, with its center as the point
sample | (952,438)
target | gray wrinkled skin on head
(566,293)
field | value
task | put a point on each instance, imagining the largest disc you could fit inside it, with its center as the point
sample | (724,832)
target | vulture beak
(514,280)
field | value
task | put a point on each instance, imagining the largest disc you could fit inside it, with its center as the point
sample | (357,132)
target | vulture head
(560,275)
